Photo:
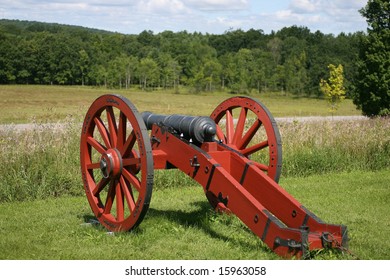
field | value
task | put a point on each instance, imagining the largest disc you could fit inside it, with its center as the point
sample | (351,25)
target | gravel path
(319,118)
(31,126)
(54,126)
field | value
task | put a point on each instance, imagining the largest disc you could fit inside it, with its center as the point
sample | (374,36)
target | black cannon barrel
(199,129)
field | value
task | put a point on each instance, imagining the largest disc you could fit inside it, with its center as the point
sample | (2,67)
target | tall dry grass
(43,161)
(334,146)
(40,161)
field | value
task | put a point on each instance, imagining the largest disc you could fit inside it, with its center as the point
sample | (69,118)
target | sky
(206,16)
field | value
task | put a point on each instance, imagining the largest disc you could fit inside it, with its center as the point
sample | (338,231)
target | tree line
(293,59)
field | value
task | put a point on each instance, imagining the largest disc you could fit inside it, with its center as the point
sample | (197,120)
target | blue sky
(211,16)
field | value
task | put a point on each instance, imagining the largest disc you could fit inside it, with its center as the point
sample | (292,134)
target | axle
(199,129)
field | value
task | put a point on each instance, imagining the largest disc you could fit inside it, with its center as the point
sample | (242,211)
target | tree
(117,71)
(212,70)
(275,47)
(372,86)
(227,71)
(83,64)
(242,76)
(131,64)
(291,59)
(169,70)
(295,73)
(260,60)
(148,72)
(333,89)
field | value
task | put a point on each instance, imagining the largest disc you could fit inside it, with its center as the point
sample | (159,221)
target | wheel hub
(111,164)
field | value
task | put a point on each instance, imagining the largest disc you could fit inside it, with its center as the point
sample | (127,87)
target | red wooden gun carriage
(235,154)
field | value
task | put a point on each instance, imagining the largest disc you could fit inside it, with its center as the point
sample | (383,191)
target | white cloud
(329,16)
(162,7)
(330,7)
(218,5)
(303,6)
(227,23)
(212,16)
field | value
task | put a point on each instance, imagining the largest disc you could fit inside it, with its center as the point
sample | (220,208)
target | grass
(43,210)
(359,200)
(181,225)
(39,162)
(44,161)
(24,104)
(339,146)
(339,170)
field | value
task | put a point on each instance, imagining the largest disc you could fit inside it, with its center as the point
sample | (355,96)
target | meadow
(30,103)
(338,169)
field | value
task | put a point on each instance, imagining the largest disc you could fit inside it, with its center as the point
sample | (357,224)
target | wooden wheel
(116,163)
(245,125)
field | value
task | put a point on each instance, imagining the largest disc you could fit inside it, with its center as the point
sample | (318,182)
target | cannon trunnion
(235,155)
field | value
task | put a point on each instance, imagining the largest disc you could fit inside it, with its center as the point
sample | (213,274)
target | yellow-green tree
(333,88)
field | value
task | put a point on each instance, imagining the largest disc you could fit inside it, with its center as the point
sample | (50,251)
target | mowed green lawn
(25,104)
(181,225)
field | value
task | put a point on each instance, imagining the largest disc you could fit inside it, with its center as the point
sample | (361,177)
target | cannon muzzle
(199,129)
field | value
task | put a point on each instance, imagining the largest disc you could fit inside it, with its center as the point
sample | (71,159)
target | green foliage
(292,59)
(148,72)
(333,89)
(372,89)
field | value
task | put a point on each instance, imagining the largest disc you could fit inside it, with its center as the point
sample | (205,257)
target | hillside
(293,59)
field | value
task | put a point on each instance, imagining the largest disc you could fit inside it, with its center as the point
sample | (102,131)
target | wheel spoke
(98,147)
(129,143)
(119,202)
(93,165)
(261,166)
(132,179)
(229,126)
(103,131)
(255,148)
(240,125)
(110,198)
(220,134)
(121,131)
(249,135)
(128,194)
(112,126)
(100,186)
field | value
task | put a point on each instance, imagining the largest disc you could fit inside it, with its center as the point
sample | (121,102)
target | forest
(293,59)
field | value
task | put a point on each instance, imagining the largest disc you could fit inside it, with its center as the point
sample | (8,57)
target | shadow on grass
(205,219)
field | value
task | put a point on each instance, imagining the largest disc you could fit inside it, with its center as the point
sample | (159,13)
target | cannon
(235,154)
(200,129)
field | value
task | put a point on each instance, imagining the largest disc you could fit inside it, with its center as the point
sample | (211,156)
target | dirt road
(54,126)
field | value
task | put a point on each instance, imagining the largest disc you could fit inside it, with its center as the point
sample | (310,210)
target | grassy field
(44,160)
(25,104)
(181,225)
(338,170)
